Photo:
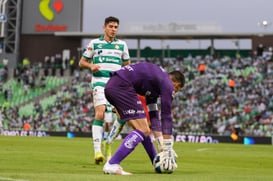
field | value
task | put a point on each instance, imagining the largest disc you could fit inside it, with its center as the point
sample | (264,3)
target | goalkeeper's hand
(169,160)
(168,155)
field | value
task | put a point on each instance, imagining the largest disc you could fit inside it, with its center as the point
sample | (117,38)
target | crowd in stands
(232,95)
(222,95)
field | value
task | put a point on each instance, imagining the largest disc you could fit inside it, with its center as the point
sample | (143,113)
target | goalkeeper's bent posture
(122,91)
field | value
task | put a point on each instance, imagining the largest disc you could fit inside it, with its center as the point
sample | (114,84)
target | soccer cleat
(98,158)
(114,169)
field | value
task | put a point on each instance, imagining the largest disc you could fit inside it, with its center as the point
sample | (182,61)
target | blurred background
(224,48)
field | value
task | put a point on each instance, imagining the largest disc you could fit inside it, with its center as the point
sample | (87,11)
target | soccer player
(155,84)
(103,55)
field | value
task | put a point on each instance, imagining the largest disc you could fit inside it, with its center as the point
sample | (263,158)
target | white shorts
(100,99)
(98,96)
(109,115)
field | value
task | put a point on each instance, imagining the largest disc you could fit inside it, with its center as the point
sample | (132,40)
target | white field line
(202,149)
(11,179)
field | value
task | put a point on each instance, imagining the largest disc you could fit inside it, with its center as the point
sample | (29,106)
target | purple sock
(128,145)
(149,147)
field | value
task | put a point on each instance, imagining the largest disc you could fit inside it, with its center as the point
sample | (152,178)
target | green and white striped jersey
(108,55)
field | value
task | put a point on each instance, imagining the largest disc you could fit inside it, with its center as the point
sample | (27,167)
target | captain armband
(152,107)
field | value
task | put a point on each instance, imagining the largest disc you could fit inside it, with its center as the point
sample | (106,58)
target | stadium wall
(173,53)
(37,47)
(190,138)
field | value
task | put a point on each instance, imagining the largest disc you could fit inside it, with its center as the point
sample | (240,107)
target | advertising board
(49,16)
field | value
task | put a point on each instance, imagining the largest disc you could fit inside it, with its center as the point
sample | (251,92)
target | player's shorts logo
(47,12)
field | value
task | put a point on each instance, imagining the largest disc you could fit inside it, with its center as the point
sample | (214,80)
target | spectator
(72,65)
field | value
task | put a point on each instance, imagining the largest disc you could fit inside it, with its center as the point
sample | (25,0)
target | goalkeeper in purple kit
(122,91)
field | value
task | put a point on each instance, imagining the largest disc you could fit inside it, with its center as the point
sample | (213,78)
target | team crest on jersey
(116,47)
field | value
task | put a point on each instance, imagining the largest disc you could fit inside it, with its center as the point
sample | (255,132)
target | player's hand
(94,67)
(168,155)
(169,160)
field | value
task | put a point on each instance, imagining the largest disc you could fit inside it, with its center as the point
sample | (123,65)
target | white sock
(97,132)
(115,131)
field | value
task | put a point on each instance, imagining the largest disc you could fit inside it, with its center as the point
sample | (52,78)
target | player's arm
(85,61)
(153,112)
(165,142)
(126,56)
(127,62)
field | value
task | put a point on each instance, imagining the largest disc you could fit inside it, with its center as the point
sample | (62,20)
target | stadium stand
(207,105)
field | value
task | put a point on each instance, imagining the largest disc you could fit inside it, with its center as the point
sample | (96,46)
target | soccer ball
(159,165)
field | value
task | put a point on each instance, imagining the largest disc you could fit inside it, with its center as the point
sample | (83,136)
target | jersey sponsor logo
(101,59)
(109,52)
(117,53)
(108,60)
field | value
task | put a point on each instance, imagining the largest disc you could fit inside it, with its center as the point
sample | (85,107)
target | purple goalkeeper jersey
(153,82)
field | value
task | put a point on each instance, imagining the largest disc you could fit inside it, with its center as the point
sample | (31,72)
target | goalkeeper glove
(164,144)
(168,155)
(169,160)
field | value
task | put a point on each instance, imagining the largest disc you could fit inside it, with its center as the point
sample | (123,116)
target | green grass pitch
(64,159)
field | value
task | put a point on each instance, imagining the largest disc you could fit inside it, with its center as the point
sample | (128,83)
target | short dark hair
(111,19)
(177,76)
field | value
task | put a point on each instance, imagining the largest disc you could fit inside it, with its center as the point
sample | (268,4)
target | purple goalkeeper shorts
(123,97)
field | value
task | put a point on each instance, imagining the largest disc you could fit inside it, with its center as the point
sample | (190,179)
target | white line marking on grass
(11,179)
(203,149)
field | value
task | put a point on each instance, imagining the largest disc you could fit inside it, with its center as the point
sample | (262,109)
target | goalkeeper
(122,91)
